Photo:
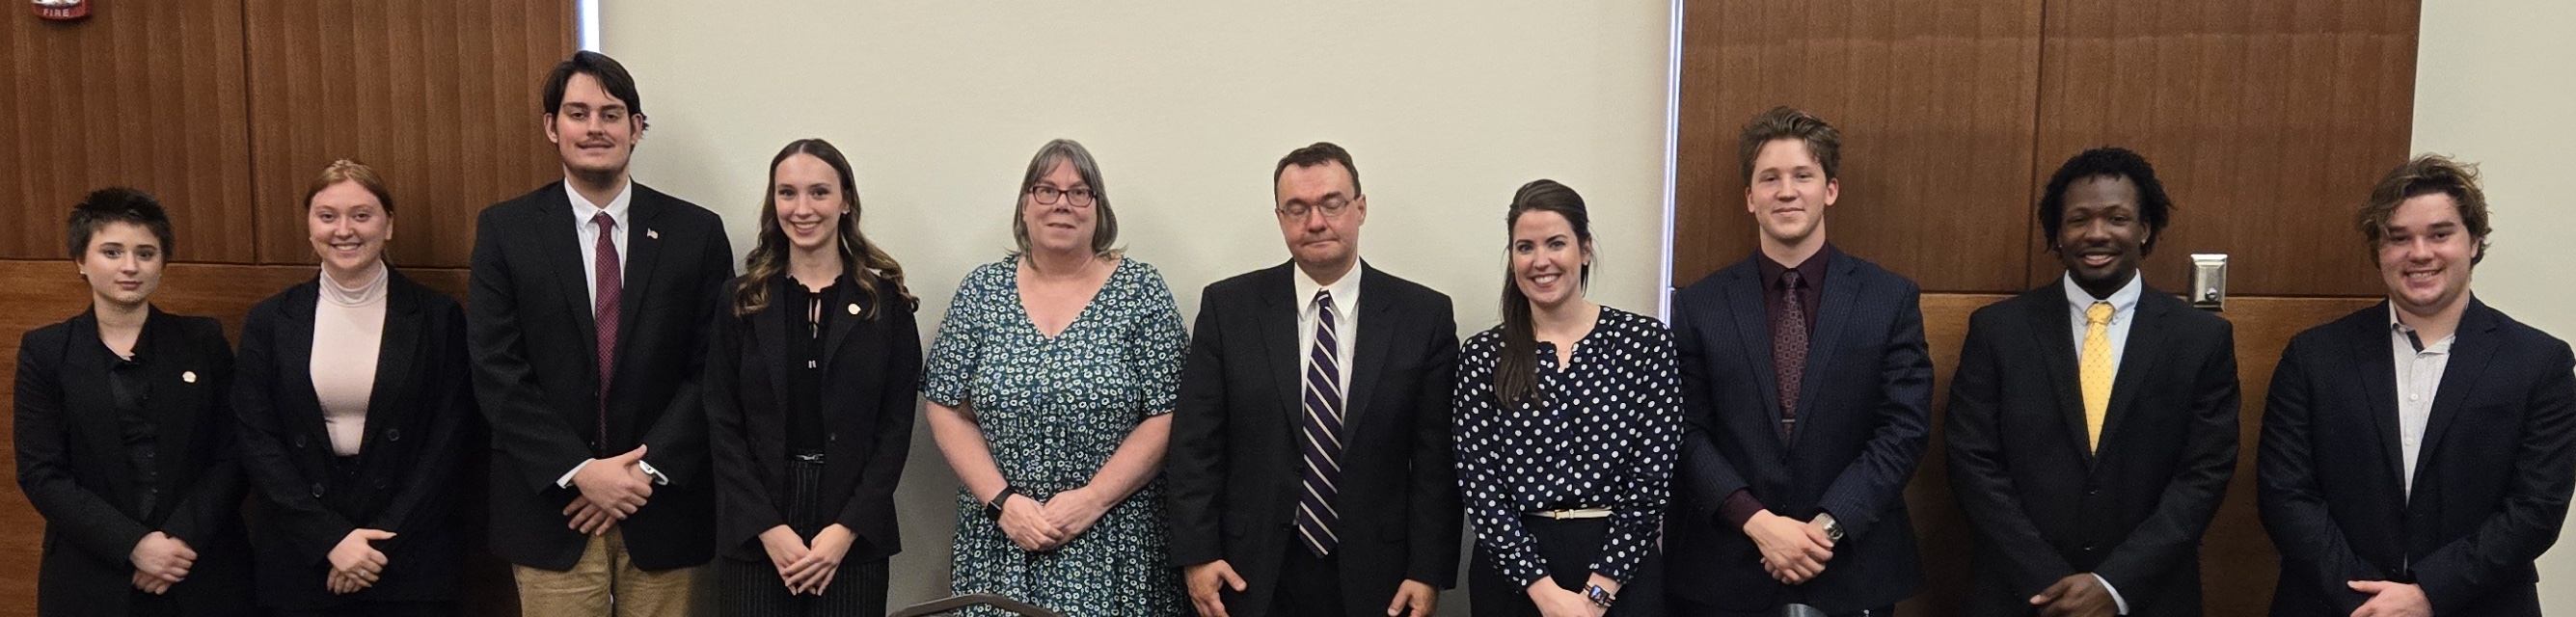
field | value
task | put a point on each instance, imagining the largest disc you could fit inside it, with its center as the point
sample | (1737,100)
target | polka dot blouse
(1605,436)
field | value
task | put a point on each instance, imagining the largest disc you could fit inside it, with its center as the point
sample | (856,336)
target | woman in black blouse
(124,436)
(810,388)
(1568,422)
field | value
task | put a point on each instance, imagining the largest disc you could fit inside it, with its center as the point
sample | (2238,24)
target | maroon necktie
(610,279)
(1789,350)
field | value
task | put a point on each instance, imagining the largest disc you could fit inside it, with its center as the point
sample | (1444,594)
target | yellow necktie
(2096,373)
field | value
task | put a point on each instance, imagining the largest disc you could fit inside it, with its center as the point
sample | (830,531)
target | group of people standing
(1307,444)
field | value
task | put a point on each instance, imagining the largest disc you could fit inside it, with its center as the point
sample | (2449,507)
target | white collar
(583,210)
(1346,291)
(2122,302)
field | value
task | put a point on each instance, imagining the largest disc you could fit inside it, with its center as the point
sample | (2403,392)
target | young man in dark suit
(587,324)
(1808,393)
(1311,466)
(2092,423)
(2417,455)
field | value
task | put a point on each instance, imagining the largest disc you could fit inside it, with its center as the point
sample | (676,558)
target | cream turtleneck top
(348,330)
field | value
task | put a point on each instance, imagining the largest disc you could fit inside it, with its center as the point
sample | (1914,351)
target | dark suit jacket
(420,404)
(73,466)
(1234,459)
(872,380)
(1862,423)
(531,334)
(2045,505)
(2491,481)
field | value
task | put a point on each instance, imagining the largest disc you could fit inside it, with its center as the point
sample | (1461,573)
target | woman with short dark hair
(124,435)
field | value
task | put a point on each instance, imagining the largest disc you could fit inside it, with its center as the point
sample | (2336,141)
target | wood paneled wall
(227,109)
(1934,103)
(441,96)
(144,94)
(2267,120)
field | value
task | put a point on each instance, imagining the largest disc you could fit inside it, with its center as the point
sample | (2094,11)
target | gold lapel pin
(854,308)
(188,376)
(652,235)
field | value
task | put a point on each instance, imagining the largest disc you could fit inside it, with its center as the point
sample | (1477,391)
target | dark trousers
(1683,606)
(1309,586)
(1568,547)
(379,609)
(754,588)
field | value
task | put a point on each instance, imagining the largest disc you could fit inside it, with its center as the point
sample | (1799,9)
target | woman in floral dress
(1049,388)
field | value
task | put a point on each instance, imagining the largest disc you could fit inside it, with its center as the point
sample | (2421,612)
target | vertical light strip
(588,16)
(1672,156)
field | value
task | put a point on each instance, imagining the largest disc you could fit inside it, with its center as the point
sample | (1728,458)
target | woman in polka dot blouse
(1569,420)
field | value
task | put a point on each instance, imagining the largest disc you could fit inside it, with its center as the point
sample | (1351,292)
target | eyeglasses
(1047,195)
(1332,208)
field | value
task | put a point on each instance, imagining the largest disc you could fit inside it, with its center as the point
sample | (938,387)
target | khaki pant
(605,578)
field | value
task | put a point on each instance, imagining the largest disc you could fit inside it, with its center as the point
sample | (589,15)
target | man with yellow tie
(2092,421)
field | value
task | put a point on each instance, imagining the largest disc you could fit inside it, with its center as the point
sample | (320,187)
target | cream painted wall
(2493,85)
(1448,106)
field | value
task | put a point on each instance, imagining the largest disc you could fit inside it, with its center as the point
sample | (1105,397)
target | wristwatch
(1833,528)
(993,509)
(1600,597)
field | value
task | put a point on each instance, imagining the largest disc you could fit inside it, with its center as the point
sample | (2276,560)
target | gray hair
(1104,232)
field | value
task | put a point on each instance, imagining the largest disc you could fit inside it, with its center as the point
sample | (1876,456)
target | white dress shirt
(1346,318)
(582,211)
(2419,374)
(2124,309)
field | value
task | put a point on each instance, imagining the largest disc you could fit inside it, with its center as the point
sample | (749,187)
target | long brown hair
(1516,372)
(769,257)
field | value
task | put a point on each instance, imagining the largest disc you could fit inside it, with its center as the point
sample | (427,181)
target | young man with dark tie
(1807,397)
(587,322)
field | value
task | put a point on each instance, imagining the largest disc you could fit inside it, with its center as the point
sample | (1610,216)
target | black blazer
(1862,422)
(1234,456)
(421,402)
(2491,481)
(73,466)
(530,332)
(872,380)
(2045,505)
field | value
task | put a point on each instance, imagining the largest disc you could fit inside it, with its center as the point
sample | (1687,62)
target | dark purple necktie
(1789,350)
(610,280)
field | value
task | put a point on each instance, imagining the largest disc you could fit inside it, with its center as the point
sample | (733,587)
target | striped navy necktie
(1320,432)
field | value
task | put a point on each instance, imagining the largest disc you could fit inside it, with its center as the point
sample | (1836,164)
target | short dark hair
(611,75)
(1785,122)
(1317,154)
(115,204)
(2425,175)
(2154,206)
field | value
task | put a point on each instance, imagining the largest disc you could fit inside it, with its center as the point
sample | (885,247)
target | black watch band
(1599,596)
(993,509)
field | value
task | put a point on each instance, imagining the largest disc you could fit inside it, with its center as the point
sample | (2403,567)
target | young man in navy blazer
(2417,455)
(587,325)
(1808,397)
(2092,423)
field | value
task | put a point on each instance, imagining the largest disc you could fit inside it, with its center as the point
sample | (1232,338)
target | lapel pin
(652,235)
(188,376)
(854,308)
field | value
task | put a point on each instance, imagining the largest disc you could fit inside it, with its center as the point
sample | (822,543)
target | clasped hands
(1793,551)
(611,489)
(1041,526)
